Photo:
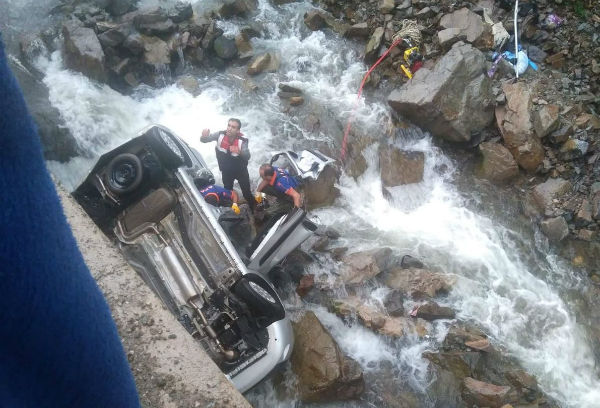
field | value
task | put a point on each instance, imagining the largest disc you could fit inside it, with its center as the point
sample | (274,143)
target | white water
(495,286)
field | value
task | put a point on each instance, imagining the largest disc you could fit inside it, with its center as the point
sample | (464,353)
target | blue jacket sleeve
(59,346)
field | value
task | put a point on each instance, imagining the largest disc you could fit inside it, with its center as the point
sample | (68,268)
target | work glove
(235,209)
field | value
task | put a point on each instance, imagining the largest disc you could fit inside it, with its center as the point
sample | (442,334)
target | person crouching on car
(279,183)
(216,195)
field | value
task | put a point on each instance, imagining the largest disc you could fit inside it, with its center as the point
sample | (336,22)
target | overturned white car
(143,194)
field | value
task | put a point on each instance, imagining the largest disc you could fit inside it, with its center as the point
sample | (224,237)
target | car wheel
(168,151)
(260,298)
(124,173)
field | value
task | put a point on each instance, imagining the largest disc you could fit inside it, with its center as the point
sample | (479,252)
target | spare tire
(124,173)
(260,297)
(169,152)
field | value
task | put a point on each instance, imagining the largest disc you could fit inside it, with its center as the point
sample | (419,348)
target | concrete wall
(171,369)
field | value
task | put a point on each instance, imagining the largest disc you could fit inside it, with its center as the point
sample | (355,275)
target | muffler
(193,298)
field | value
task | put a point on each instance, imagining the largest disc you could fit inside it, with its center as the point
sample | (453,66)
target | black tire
(265,310)
(169,152)
(124,173)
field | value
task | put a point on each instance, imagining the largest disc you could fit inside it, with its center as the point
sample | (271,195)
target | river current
(507,282)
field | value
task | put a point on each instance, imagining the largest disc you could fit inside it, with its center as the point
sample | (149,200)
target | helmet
(204,178)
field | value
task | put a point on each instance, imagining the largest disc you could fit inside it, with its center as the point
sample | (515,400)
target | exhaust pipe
(193,298)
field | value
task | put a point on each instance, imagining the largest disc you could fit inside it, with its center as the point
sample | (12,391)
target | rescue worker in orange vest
(280,183)
(232,155)
(216,195)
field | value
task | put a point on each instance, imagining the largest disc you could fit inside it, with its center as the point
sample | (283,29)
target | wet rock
(480,345)
(120,7)
(244,47)
(156,52)
(458,336)
(551,189)
(361,266)
(360,30)
(190,84)
(225,48)
(289,88)
(264,62)
(517,128)
(400,167)
(134,43)
(153,22)
(471,25)
(433,311)
(484,394)
(324,373)
(525,384)
(453,362)
(556,229)
(452,101)
(450,36)
(296,100)
(368,315)
(115,36)
(372,48)
(394,303)
(409,261)
(321,192)
(403,326)
(181,11)
(545,120)
(307,282)
(231,8)
(573,149)
(315,19)
(498,165)
(417,283)
(83,52)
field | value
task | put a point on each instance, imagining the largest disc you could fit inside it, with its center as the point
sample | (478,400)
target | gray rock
(83,52)
(360,30)
(322,191)
(452,101)
(394,303)
(551,189)
(225,48)
(156,52)
(450,36)
(556,229)
(409,261)
(120,7)
(596,207)
(536,54)
(190,84)
(372,47)
(468,22)
(289,88)
(545,120)
(400,167)
(114,37)
(154,22)
(498,165)
(418,283)
(517,128)
(134,43)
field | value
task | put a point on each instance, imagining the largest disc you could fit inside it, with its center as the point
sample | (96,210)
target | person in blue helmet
(280,183)
(216,195)
(59,345)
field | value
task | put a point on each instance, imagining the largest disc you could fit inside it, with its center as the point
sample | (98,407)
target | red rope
(345,140)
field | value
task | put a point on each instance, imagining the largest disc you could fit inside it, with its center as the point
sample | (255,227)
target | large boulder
(322,191)
(418,283)
(83,52)
(372,47)
(324,373)
(516,126)
(359,267)
(452,101)
(556,229)
(471,26)
(497,164)
(400,167)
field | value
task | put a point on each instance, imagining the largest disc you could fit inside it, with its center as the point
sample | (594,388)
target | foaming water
(496,287)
